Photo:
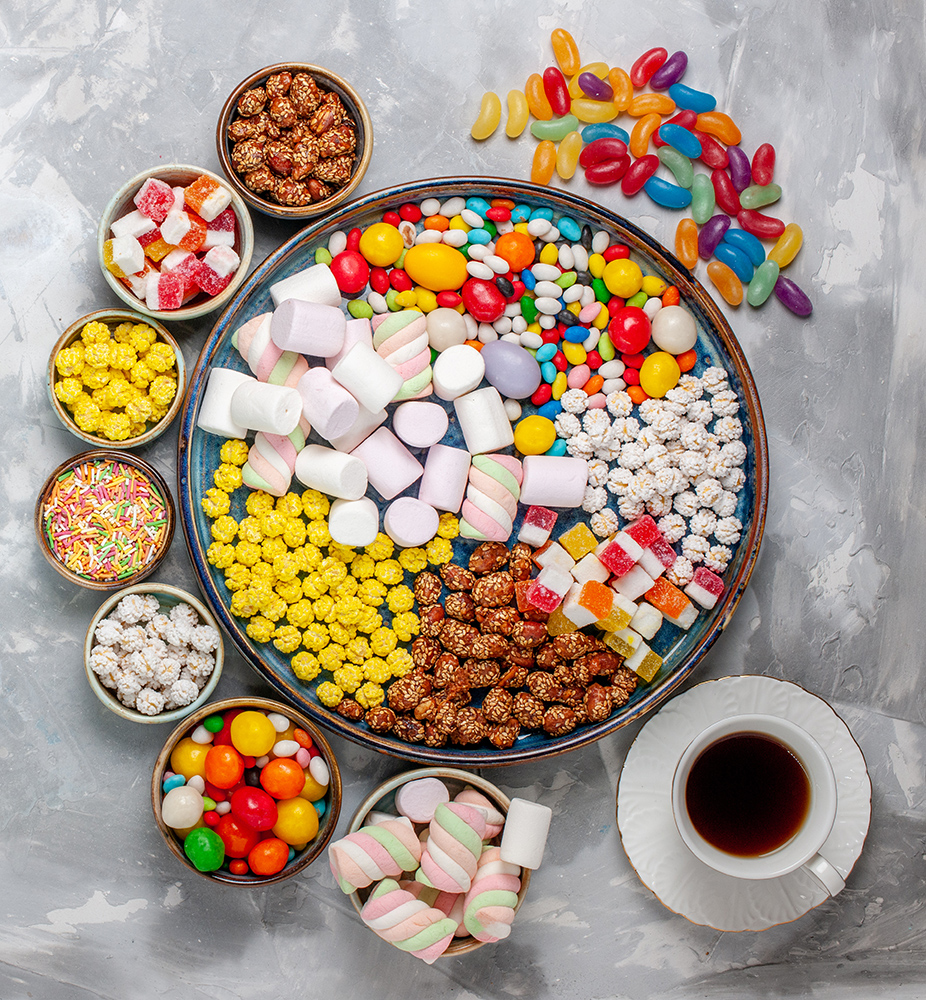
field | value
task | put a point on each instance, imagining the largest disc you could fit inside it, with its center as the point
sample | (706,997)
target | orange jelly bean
(544,162)
(671,297)
(721,125)
(687,360)
(622,87)
(437,222)
(647,104)
(637,394)
(686,243)
(565,51)
(593,385)
(640,135)
(537,98)
(726,282)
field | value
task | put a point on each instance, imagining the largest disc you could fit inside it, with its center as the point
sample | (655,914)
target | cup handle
(824,873)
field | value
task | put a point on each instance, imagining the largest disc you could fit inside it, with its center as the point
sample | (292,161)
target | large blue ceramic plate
(199,457)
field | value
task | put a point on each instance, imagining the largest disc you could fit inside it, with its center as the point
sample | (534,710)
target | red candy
(410,212)
(646,66)
(483,300)
(629,330)
(727,196)
(765,227)
(255,807)
(154,199)
(543,394)
(448,300)
(557,91)
(763,164)
(379,280)
(351,271)
(353,238)
(639,173)
(392,218)
(400,280)
(608,148)
(608,171)
(239,838)
(713,155)
(616,251)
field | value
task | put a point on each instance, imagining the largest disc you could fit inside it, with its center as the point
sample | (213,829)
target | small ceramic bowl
(105,519)
(331,800)
(168,597)
(382,799)
(177,175)
(356,112)
(112,318)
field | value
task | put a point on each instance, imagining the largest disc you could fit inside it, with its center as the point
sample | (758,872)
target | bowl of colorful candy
(175,242)
(115,377)
(246,791)
(438,836)
(153,653)
(506,534)
(104,519)
(294,140)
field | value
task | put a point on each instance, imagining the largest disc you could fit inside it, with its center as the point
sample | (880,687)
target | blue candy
(604,130)
(569,229)
(321,808)
(681,139)
(542,213)
(548,372)
(545,353)
(174,781)
(558,448)
(667,194)
(482,236)
(521,213)
(736,260)
(478,205)
(576,334)
(749,244)
(550,410)
(691,100)
(528,279)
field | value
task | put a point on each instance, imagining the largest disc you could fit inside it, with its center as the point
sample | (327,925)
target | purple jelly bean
(791,296)
(740,168)
(711,234)
(595,88)
(670,72)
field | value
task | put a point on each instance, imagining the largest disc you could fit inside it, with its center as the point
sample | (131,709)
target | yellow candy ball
(534,435)
(436,266)
(252,734)
(312,791)
(381,244)
(658,374)
(622,277)
(189,758)
(297,821)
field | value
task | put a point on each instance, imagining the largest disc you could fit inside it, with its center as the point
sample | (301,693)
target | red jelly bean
(550,336)
(633,360)
(559,361)
(763,164)
(594,360)
(379,280)
(518,289)
(607,172)
(631,376)
(410,212)
(351,271)
(765,227)
(213,791)
(615,303)
(238,867)
(713,154)
(211,817)
(557,91)
(499,213)
(726,194)
(448,300)
(616,251)
(483,300)
(608,148)
(639,173)
(393,218)
(543,394)
(400,280)
(353,238)
(629,330)
(646,66)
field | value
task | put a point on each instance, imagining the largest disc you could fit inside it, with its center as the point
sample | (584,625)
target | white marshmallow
(553,481)
(331,471)
(371,380)
(353,522)
(314,284)
(307,327)
(420,424)
(446,473)
(391,467)
(327,406)
(263,406)
(410,522)
(486,426)
(362,428)
(356,331)
(525,835)
(456,371)
(215,416)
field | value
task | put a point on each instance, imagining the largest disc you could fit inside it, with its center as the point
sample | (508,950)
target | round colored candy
(630,329)
(483,300)
(674,330)
(437,266)
(181,808)
(658,374)
(312,790)
(511,369)
(282,778)
(205,849)
(189,758)
(534,435)
(252,734)
(268,857)
(254,807)
(224,766)
(351,271)
(622,277)
(297,822)
(381,244)
(516,248)
(237,837)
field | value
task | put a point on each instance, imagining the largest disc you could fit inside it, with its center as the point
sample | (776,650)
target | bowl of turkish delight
(175,242)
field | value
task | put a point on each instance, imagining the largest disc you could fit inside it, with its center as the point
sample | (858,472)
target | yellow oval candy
(436,266)
(622,277)
(297,821)
(658,374)
(189,758)
(534,435)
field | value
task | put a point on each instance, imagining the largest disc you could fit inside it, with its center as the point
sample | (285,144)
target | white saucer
(644,809)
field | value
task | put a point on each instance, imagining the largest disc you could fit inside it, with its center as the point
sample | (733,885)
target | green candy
(213,724)
(205,849)
(601,290)
(322,256)
(763,281)
(528,308)
(639,300)
(679,164)
(760,195)
(703,199)
(605,348)
(360,309)
(555,128)
(567,279)
(391,303)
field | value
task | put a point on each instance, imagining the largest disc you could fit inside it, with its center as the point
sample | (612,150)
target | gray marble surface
(92,903)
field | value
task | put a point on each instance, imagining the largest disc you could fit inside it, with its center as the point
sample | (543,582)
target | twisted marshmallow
(491,503)
(453,847)
(488,909)
(401,338)
(495,820)
(396,916)
(373,853)
(272,460)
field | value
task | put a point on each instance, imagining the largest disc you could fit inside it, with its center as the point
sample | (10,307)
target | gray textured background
(92,903)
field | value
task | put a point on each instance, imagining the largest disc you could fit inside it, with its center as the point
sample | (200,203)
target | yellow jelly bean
(297,821)
(653,285)
(518,113)
(648,104)
(189,758)
(381,244)
(790,241)
(622,87)
(559,385)
(623,277)
(567,154)
(565,51)
(659,373)
(602,319)
(537,100)
(574,307)
(575,354)
(549,254)
(596,265)
(641,132)
(425,299)
(535,434)
(436,266)
(457,223)
(543,163)
(587,110)
(490,113)
(407,300)
(726,282)
(600,70)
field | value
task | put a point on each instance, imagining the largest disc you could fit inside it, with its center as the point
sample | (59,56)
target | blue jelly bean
(691,100)
(528,279)
(569,229)
(678,137)
(478,205)
(736,260)
(542,213)
(551,410)
(576,334)
(321,807)
(604,130)
(521,213)
(548,371)
(749,244)
(667,194)
(557,449)
(545,353)
(482,236)
(174,781)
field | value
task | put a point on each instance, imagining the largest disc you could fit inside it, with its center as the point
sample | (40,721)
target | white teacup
(801,848)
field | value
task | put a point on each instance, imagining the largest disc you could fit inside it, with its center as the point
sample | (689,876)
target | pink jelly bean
(588,314)
(596,402)
(578,376)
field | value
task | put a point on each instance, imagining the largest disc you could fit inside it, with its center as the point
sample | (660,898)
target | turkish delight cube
(536,527)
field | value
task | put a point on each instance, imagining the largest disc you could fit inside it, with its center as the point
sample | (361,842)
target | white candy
(446,472)
(419,424)
(314,284)
(312,328)
(369,378)
(483,421)
(366,422)
(553,481)
(181,807)
(356,331)
(319,771)
(331,471)
(134,224)
(127,254)
(456,371)
(410,522)
(391,467)
(446,328)
(354,523)
(264,406)
(525,836)
(215,416)
(326,404)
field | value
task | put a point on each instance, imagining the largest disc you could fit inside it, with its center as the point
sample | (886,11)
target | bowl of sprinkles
(246,791)
(532,499)
(105,519)
(115,377)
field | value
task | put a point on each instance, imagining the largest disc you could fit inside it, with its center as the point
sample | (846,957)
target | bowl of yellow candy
(115,377)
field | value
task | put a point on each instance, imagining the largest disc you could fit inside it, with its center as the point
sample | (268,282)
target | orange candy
(667,598)
(687,360)
(686,243)
(718,124)
(437,222)
(593,385)
(544,162)
(671,297)
(647,104)
(637,394)
(536,96)
(516,249)
(282,778)
(641,132)
(726,282)
(302,738)
(565,51)
(224,766)
(268,856)
(622,87)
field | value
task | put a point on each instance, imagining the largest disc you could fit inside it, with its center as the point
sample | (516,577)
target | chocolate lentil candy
(249,154)
(349,709)
(408,729)
(527,710)
(494,590)
(305,159)
(252,101)
(499,621)
(488,557)
(558,720)
(460,605)
(380,719)
(278,84)
(598,702)
(457,637)
(455,577)
(471,727)
(304,94)
(338,141)
(496,705)
(334,170)
(504,735)
(427,588)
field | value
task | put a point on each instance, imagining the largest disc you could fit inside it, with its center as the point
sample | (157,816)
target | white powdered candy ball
(674,330)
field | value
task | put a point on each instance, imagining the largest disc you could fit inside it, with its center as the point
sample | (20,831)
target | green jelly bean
(322,256)
(703,199)
(208,803)
(400,263)
(639,300)
(555,128)
(567,279)
(760,195)
(214,723)
(489,226)
(763,281)
(205,849)
(601,290)
(360,309)
(678,163)
(391,303)
(528,308)
(605,348)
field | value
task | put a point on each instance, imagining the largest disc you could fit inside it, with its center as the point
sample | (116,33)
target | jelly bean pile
(116,383)
(675,127)
(244,792)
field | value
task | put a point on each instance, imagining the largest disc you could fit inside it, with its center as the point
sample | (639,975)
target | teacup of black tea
(754,796)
